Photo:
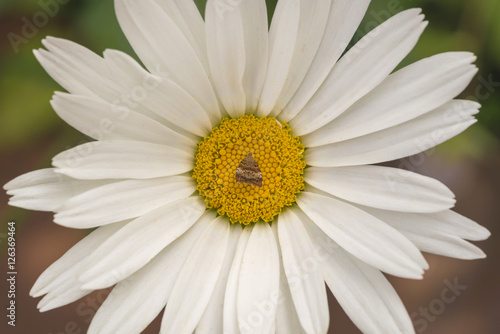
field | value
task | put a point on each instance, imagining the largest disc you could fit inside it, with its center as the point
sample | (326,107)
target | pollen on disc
(276,165)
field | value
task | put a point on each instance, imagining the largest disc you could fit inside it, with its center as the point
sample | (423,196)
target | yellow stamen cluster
(278,154)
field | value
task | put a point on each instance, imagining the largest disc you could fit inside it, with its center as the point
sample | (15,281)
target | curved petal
(364,236)
(105,121)
(157,97)
(120,256)
(77,69)
(433,234)
(344,18)
(312,25)
(188,19)
(230,316)
(136,301)
(122,200)
(282,40)
(226,54)
(59,282)
(287,319)
(256,33)
(404,95)
(400,141)
(258,284)
(212,319)
(68,264)
(122,160)
(168,54)
(362,291)
(197,280)
(46,190)
(303,273)
(382,187)
(364,66)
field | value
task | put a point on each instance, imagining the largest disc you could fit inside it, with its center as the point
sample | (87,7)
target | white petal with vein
(197,280)
(282,40)
(169,53)
(137,243)
(382,187)
(344,18)
(137,300)
(364,236)
(313,20)
(364,66)
(122,200)
(258,282)
(356,285)
(412,137)
(46,190)
(404,95)
(226,54)
(305,278)
(121,160)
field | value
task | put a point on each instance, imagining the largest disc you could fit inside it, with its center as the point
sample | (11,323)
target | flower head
(235,176)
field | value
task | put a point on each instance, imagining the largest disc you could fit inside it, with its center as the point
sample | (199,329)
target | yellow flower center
(249,168)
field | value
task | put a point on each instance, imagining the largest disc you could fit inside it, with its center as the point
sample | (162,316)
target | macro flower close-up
(239,172)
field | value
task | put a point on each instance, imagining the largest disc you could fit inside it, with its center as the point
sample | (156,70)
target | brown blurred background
(31,133)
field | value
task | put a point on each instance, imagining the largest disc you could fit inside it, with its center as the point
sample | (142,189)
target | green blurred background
(31,133)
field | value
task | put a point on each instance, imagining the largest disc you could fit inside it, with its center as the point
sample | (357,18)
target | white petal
(364,66)
(65,266)
(188,19)
(212,320)
(287,319)
(137,243)
(63,294)
(104,121)
(174,104)
(230,316)
(404,95)
(445,245)
(122,200)
(258,285)
(137,300)
(382,187)
(121,160)
(362,291)
(77,69)
(255,30)
(453,223)
(138,87)
(196,281)
(282,40)
(118,79)
(45,190)
(345,17)
(412,137)
(303,273)
(169,53)
(226,54)
(364,236)
(433,234)
(313,21)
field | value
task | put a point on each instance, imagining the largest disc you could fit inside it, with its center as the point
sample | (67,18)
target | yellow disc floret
(279,157)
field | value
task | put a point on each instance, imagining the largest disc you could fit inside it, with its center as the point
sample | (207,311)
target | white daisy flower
(236,175)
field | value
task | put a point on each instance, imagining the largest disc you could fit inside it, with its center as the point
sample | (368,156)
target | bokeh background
(31,133)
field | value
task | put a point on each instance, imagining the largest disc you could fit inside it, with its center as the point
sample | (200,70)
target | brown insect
(249,172)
